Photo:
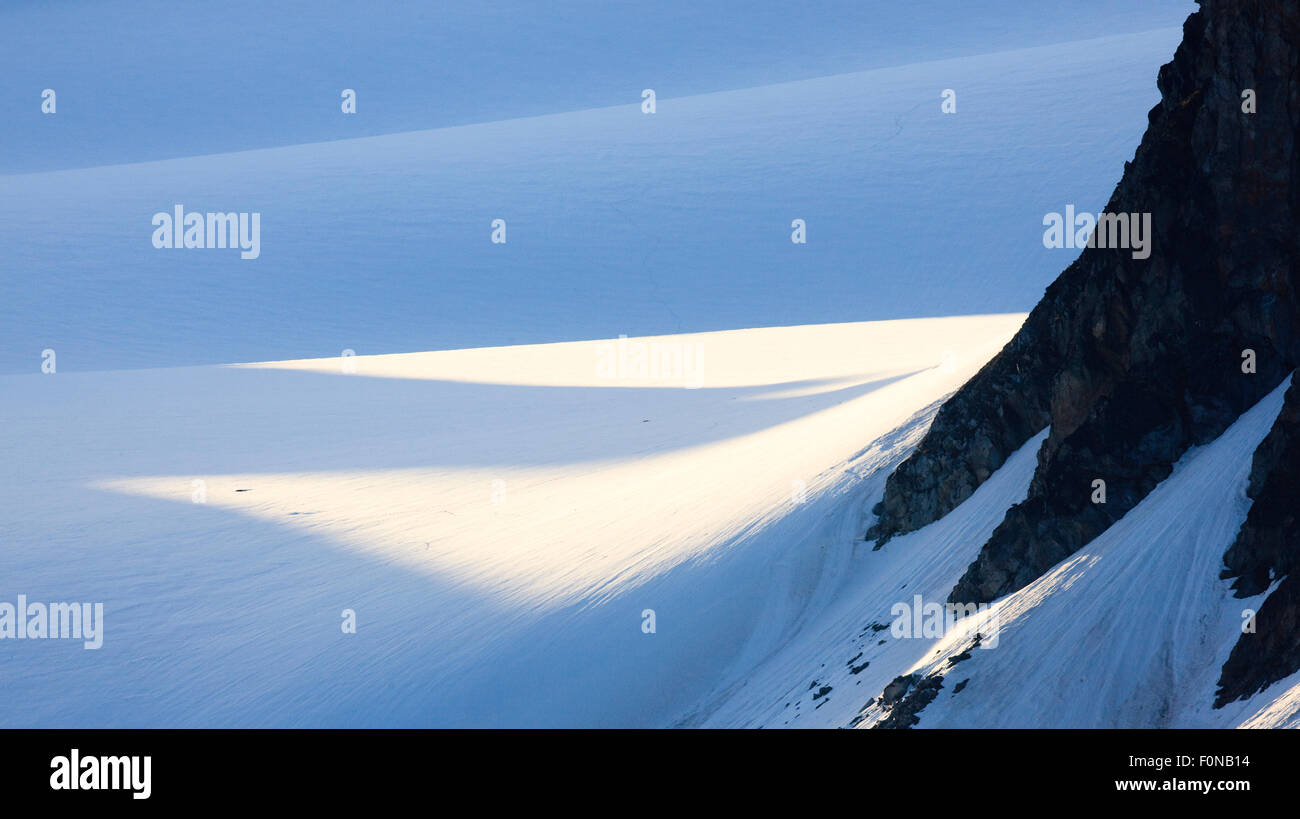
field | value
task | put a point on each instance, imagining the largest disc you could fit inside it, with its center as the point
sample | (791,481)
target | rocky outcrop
(1131,361)
(905,698)
(1267,549)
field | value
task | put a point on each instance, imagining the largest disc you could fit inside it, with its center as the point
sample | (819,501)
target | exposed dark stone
(1133,361)
(896,688)
(1268,547)
(906,707)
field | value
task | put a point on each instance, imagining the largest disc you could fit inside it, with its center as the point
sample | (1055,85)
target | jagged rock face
(1267,548)
(906,697)
(1131,361)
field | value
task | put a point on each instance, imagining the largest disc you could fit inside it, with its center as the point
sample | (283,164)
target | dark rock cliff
(1132,361)
(1268,548)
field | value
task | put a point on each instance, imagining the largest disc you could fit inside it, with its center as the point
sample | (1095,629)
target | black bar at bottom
(862,769)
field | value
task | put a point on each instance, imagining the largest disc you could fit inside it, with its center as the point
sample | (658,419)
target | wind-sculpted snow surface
(447,416)
(852,648)
(261,75)
(523,536)
(1133,358)
(615,222)
(1129,632)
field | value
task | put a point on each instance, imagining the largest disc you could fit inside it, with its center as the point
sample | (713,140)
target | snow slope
(784,689)
(160,79)
(500,512)
(498,519)
(618,222)
(1131,631)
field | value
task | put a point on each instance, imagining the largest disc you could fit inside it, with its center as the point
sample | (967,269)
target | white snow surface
(502,520)
(1129,632)
(617,222)
(498,519)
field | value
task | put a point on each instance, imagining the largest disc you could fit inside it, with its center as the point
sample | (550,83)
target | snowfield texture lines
(497,541)
(617,222)
(1129,632)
